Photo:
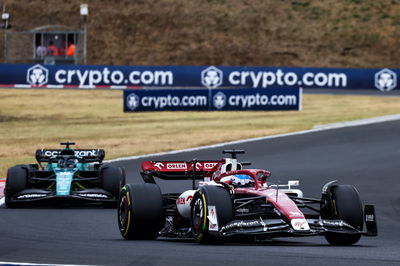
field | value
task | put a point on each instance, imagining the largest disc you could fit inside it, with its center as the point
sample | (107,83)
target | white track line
(353,123)
(36,264)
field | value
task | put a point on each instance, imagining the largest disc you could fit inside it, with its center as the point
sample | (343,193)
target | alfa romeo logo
(385,80)
(211,77)
(37,75)
(132,101)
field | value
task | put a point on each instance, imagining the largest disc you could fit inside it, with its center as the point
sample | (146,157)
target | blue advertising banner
(211,77)
(211,100)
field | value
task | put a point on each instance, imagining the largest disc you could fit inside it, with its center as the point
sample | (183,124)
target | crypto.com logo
(219,100)
(211,77)
(132,101)
(385,80)
(37,75)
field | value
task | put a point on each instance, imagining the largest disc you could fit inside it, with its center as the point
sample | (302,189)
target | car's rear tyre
(346,200)
(17,178)
(205,199)
(140,211)
(112,179)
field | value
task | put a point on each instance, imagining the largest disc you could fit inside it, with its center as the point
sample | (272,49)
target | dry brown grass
(32,119)
(327,33)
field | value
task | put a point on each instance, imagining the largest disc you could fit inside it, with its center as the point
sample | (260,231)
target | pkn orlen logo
(219,100)
(211,77)
(385,80)
(37,75)
(132,101)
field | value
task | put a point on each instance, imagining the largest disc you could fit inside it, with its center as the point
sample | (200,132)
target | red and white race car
(235,203)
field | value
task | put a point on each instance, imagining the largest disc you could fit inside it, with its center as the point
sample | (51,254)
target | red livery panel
(179,166)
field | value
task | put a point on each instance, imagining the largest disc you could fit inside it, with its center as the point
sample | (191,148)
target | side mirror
(293,183)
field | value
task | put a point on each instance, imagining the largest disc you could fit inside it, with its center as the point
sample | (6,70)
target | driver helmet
(61,163)
(239,180)
(71,162)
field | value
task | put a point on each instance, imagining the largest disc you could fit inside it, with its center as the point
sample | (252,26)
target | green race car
(64,176)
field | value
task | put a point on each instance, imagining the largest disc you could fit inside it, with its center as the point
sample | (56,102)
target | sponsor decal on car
(183,199)
(241,224)
(176,166)
(31,196)
(243,210)
(369,218)
(94,195)
(300,224)
(209,165)
(335,223)
(159,165)
(78,153)
(212,218)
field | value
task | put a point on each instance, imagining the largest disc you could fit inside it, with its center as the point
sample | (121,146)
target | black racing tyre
(204,200)
(140,211)
(17,178)
(348,208)
(112,179)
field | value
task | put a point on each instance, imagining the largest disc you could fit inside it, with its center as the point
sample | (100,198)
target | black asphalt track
(365,156)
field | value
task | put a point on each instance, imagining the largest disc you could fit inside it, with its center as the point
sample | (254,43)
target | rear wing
(89,156)
(178,170)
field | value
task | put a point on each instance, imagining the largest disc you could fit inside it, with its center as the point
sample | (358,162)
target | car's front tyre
(206,200)
(347,206)
(17,178)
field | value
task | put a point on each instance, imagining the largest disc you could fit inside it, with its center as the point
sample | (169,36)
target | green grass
(33,119)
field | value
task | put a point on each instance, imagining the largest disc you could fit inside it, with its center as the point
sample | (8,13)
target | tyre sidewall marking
(204,223)
(129,213)
(127,196)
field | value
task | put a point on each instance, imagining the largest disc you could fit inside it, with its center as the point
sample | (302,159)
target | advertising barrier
(211,77)
(212,99)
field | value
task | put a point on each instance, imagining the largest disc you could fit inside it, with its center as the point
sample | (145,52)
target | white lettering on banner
(248,101)
(95,77)
(115,77)
(160,102)
(266,79)
(106,73)
(58,77)
(82,77)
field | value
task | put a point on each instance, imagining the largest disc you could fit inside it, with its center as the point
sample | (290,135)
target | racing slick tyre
(16,181)
(212,208)
(140,211)
(112,179)
(346,200)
